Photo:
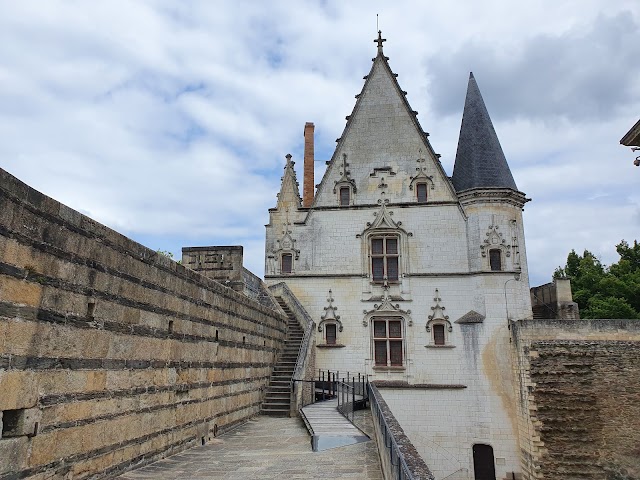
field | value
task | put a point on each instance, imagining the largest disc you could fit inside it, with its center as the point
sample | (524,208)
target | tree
(605,292)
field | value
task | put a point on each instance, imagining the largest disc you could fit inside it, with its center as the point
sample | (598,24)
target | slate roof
(471,317)
(480,162)
(632,137)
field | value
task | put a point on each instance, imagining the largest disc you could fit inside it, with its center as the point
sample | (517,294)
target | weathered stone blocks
(111,355)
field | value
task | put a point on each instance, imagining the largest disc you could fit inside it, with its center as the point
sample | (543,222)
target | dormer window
(421,192)
(330,333)
(495,259)
(286,263)
(345,196)
(438,334)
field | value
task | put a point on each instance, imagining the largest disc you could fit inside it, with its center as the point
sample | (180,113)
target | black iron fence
(350,389)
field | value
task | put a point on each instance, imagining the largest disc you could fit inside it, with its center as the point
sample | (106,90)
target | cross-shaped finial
(379,41)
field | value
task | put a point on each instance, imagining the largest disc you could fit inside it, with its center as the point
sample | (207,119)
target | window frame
(495,253)
(346,188)
(447,330)
(330,326)
(420,185)
(387,341)
(282,264)
(385,256)
(439,335)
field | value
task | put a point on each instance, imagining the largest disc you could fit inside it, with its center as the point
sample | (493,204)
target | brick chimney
(308,185)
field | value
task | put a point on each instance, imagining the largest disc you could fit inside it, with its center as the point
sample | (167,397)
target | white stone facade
(456,394)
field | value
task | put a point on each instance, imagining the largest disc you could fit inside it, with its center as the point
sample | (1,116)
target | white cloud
(169,121)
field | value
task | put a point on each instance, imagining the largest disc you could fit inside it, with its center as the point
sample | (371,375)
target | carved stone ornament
(345,177)
(383,221)
(494,240)
(386,307)
(329,314)
(438,313)
(286,243)
(421,175)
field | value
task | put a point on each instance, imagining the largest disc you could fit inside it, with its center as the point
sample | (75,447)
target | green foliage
(605,292)
(167,254)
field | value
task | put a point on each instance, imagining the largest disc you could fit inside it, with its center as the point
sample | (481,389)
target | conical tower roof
(480,161)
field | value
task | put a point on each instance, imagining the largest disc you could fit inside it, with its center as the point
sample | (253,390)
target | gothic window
(345,196)
(388,341)
(384,258)
(421,192)
(330,330)
(438,334)
(286,265)
(495,259)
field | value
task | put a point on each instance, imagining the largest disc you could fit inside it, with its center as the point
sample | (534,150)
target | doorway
(483,464)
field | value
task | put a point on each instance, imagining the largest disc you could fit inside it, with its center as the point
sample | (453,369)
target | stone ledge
(416,386)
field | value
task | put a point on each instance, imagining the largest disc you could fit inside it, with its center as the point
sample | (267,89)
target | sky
(170,121)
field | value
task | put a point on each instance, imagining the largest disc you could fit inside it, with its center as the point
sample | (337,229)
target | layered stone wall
(579,398)
(110,354)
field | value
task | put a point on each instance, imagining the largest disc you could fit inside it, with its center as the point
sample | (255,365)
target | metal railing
(353,394)
(395,444)
(350,389)
(306,322)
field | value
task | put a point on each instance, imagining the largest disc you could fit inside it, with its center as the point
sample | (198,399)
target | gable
(385,148)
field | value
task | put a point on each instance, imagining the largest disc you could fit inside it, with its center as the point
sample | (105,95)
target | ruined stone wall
(110,354)
(579,398)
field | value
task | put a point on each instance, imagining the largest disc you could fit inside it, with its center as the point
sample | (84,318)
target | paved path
(265,448)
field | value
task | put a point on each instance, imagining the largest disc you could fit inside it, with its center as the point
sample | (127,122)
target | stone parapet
(112,355)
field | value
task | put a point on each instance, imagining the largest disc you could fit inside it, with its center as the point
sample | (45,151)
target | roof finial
(379,41)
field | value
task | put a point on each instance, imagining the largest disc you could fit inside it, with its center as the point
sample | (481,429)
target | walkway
(330,429)
(265,448)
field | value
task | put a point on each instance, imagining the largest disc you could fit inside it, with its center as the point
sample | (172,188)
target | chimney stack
(308,185)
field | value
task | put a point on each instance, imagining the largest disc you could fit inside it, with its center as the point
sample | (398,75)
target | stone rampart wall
(110,354)
(579,398)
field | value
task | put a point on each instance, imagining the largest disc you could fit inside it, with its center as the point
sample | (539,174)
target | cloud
(169,121)
(589,72)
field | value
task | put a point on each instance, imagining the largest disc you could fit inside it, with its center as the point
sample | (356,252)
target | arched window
(439,331)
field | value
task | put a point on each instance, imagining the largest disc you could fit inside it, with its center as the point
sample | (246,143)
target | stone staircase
(277,401)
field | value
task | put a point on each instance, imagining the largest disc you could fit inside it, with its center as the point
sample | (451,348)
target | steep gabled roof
(480,161)
(382,62)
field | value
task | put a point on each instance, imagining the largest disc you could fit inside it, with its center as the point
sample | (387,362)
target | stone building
(412,276)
